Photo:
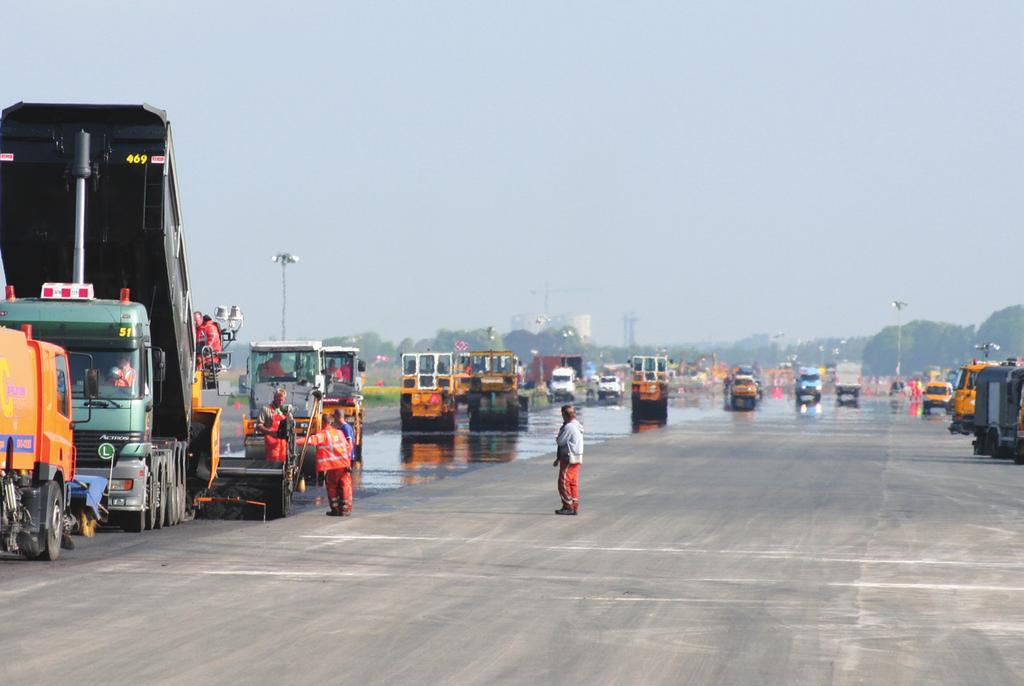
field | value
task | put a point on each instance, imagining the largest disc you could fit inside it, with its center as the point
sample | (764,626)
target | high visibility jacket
(212,332)
(125,378)
(276,448)
(332,449)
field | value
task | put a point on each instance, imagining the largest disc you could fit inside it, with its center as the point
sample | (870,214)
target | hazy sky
(719,168)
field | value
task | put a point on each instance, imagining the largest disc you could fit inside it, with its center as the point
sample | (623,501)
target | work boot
(565,511)
(334,513)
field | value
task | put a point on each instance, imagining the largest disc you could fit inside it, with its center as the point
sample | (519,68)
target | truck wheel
(46,544)
(1018,456)
(160,511)
(132,522)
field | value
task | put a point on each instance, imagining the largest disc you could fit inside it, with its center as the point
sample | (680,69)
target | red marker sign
(157,159)
(6,156)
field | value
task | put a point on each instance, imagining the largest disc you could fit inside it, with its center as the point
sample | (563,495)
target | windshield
(963,380)
(408,364)
(339,367)
(561,377)
(810,377)
(608,379)
(289,365)
(444,364)
(638,364)
(662,364)
(503,364)
(118,369)
(936,390)
(426,364)
(480,364)
(648,364)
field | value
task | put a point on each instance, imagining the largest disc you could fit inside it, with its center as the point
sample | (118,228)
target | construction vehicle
(462,377)
(848,383)
(964,397)
(37,466)
(92,190)
(650,387)
(997,412)
(493,398)
(743,392)
(937,395)
(543,367)
(807,387)
(427,392)
(297,368)
(343,374)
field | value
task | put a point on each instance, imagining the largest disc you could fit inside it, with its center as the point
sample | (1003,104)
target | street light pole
(899,305)
(284,259)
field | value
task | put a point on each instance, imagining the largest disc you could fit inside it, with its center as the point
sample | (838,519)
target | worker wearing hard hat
(333,458)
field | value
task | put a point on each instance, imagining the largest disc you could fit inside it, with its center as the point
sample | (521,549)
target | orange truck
(38,465)
(650,387)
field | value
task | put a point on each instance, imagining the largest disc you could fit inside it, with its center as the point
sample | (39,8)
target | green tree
(1005,327)
(925,343)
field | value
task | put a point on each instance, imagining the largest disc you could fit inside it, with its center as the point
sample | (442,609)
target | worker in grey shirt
(568,460)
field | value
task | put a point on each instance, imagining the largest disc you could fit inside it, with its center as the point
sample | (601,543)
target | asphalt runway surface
(837,545)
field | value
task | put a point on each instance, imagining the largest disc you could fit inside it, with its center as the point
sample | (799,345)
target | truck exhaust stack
(80,170)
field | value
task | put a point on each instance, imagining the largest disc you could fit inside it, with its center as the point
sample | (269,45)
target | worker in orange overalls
(269,424)
(123,375)
(211,332)
(333,458)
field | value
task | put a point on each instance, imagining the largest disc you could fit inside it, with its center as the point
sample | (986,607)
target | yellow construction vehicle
(461,377)
(743,392)
(343,376)
(650,387)
(428,392)
(937,394)
(493,397)
(964,397)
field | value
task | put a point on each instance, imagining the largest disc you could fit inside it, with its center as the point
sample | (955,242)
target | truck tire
(46,544)
(159,512)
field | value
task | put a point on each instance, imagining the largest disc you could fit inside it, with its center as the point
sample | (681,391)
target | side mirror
(159,365)
(243,383)
(92,384)
(361,365)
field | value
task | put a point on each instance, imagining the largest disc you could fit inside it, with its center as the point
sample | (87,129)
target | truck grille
(88,444)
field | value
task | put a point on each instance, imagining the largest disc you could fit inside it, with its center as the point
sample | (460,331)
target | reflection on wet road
(391,460)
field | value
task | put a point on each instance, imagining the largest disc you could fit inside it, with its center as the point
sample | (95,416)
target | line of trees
(924,343)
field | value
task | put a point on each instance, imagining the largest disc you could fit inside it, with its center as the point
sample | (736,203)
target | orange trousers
(277,448)
(339,488)
(569,484)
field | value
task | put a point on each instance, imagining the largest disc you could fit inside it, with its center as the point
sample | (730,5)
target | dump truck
(964,397)
(90,219)
(848,383)
(493,398)
(343,375)
(542,367)
(37,465)
(743,392)
(650,387)
(997,412)
(427,392)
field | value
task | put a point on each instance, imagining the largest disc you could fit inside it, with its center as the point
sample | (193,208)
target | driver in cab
(123,375)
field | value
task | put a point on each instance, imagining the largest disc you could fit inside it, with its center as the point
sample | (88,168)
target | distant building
(580,323)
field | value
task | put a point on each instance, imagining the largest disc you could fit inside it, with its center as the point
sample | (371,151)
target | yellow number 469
(136,159)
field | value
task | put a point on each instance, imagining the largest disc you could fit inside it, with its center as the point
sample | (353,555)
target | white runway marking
(930,587)
(295,574)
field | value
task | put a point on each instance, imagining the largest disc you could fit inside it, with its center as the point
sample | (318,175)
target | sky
(716,168)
